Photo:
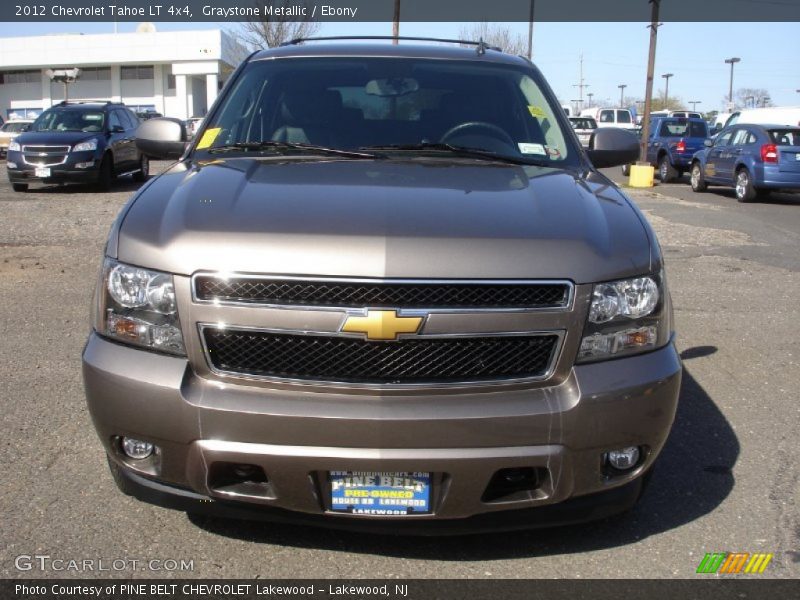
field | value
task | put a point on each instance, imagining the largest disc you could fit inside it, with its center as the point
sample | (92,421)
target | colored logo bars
(734,562)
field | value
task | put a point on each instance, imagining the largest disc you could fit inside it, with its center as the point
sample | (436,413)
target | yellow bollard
(641,176)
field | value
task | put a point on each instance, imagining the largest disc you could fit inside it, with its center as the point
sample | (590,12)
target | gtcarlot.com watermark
(47,563)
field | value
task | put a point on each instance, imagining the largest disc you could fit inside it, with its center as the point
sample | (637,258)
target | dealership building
(175,73)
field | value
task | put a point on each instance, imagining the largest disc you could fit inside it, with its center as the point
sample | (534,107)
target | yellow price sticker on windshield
(537,112)
(208,137)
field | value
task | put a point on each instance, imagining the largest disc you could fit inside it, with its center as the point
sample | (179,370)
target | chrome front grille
(420,360)
(45,156)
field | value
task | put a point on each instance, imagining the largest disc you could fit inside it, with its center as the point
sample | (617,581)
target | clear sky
(613,54)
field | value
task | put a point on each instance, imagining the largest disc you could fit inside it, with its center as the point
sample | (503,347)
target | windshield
(13,127)
(70,119)
(581,123)
(684,129)
(412,105)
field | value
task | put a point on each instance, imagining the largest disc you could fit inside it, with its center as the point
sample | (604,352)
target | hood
(384,219)
(55,138)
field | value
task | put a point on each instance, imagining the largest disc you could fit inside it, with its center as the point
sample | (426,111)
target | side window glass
(606,116)
(125,118)
(113,120)
(724,139)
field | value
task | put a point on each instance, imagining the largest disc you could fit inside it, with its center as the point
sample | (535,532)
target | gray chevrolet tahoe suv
(383,287)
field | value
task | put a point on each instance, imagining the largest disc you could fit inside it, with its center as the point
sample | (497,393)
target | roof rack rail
(70,102)
(481,46)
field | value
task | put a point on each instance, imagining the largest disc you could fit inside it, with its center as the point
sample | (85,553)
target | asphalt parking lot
(728,479)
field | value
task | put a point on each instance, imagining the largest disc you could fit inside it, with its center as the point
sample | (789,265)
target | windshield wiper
(464,151)
(292,146)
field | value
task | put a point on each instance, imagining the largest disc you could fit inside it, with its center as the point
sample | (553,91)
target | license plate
(380,494)
(42,171)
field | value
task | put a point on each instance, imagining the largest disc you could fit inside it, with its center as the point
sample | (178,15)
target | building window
(142,72)
(96,74)
(170,81)
(20,77)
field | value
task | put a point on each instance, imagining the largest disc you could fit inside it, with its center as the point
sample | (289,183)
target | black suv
(91,142)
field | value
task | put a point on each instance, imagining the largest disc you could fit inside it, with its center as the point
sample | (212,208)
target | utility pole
(694,104)
(651,67)
(666,91)
(396,23)
(530,32)
(731,61)
(621,87)
(581,85)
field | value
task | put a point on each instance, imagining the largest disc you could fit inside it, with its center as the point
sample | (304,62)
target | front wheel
(19,187)
(666,172)
(626,170)
(144,169)
(698,179)
(745,192)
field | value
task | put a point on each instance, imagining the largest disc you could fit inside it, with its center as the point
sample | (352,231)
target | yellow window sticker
(208,137)
(537,112)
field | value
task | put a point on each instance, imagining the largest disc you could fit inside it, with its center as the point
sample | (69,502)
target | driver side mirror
(162,137)
(612,147)
(708,143)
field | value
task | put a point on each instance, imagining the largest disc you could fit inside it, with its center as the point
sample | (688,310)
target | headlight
(14,146)
(84,146)
(137,306)
(626,317)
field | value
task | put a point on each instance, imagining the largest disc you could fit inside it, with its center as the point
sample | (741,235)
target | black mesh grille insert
(400,295)
(418,360)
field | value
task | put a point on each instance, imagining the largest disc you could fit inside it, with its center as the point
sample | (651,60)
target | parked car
(11,129)
(91,142)
(384,289)
(611,117)
(584,128)
(773,115)
(193,125)
(672,144)
(753,159)
(148,114)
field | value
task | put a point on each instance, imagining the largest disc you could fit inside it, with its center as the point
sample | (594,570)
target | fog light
(624,458)
(11,165)
(84,165)
(136,448)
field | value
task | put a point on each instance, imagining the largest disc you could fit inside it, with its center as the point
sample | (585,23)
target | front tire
(745,192)
(626,170)
(666,172)
(698,178)
(19,187)
(144,169)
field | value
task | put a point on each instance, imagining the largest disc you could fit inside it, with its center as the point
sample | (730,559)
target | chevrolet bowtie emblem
(381,324)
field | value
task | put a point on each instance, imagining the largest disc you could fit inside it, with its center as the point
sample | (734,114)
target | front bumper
(61,173)
(298,436)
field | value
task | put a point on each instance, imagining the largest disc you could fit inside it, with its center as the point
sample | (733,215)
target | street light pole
(590,94)
(731,61)
(651,67)
(530,32)
(621,87)
(396,22)
(666,91)
(694,104)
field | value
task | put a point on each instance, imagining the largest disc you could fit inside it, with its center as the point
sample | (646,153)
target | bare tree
(271,31)
(752,97)
(495,34)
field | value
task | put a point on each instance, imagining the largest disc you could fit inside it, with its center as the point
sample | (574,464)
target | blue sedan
(752,159)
